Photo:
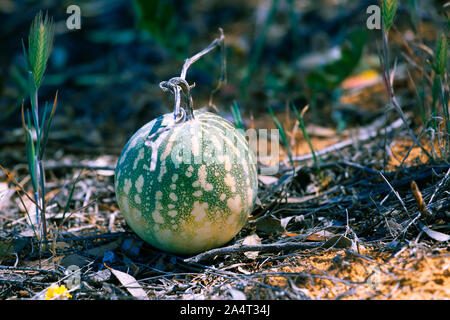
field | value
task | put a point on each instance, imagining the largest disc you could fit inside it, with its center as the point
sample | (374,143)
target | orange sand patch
(337,274)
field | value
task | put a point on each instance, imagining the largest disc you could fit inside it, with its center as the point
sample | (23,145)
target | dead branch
(365,134)
(239,248)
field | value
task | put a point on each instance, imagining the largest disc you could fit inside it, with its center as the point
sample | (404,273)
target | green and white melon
(186,187)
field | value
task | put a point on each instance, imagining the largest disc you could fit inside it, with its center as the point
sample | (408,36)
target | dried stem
(180,87)
(238,248)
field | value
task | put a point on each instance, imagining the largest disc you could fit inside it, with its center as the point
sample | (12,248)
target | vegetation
(362,174)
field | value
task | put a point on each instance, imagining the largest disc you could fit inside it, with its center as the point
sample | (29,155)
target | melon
(186,187)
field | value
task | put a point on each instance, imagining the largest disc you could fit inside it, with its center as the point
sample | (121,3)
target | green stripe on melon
(180,193)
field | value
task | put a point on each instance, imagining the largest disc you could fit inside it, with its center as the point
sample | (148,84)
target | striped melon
(186,187)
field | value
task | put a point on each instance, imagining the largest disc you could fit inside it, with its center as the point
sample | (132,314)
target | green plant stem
(36,162)
(444,102)
(307,138)
(392,101)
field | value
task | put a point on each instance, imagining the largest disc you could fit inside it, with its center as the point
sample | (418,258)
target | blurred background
(279,54)
(316,52)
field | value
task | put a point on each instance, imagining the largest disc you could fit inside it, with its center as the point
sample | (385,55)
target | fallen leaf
(242,270)
(338,241)
(436,235)
(269,225)
(321,235)
(130,283)
(236,294)
(291,234)
(285,221)
(100,276)
(267,180)
(4,194)
(364,79)
(251,240)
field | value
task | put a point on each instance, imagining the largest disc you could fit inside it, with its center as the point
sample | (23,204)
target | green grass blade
(235,111)
(31,154)
(441,56)
(32,90)
(66,208)
(28,214)
(283,137)
(46,132)
(40,168)
(305,133)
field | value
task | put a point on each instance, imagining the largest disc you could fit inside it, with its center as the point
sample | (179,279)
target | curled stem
(182,89)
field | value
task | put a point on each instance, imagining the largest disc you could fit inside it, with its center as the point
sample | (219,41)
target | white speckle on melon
(250,196)
(158,195)
(127,186)
(199,211)
(245,166)
(155,145)
(202,175)
(137,199)
(229,181)
(125,205)
(135,218)
(231,223)
(139,183)
(172,213)
(157,217)
(227,164)
(138,158)
(198,193)
(163,171)
(168,147)
(173,196)
(223,196)
(195,143)
(217,145)
(234,204)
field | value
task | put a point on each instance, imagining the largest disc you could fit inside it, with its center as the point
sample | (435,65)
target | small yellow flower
(56,292)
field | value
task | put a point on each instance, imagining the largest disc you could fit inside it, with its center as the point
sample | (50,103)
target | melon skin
(192,188)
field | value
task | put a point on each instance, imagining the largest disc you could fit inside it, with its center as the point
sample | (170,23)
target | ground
(359,208)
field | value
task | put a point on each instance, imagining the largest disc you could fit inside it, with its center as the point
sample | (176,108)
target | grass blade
(301,123)
(66,208)
(239,124)
(283,136)
(43,142)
